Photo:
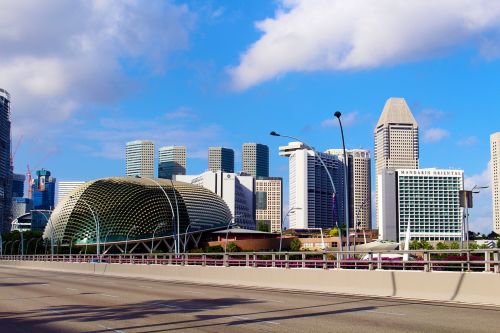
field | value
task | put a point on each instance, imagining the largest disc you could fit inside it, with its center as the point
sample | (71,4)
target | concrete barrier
(472,288)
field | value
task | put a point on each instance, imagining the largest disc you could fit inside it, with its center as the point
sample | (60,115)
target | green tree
(426,245)
(415,245)
(263,226)
(473,246)
(334,232)
(295,245)
(454,245)
(215,249)
(232,247)
(442,246)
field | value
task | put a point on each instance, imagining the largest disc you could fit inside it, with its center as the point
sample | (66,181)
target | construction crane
(29,176)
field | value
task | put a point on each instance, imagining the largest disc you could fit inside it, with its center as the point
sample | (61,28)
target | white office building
(269,202)
(310,189)
(139,159)
(171,161)
(359,188)
(396,142)
(424,200)
(495,179)
(64,188)
(237,191)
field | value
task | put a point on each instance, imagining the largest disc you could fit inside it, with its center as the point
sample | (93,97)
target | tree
(215,249)
(263,226)
(493,235)
(442,246)
(473,246)
(334,232)
(295,245)
(454,245)
(498,243)
(415,245)
(232,247)
(425,245)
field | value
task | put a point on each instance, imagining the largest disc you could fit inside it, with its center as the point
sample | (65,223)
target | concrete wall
(476,288)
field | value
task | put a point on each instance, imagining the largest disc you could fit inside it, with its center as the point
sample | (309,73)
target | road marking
(192,292)
(72,289)
(111,329)
(146,287)
(169,306)
(107,295)
(44,285)
(267,300)
(386,313)
(256,320)
(244,318)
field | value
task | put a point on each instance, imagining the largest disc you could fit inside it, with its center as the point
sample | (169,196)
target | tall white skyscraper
(396,143)
(171,161)
(64,188)
(495,179)
(359,175)
(311,192)
(140,155)
(269,202)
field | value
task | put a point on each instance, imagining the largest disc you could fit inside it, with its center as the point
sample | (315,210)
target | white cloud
(469,141)
(60,57)
(481,216)
(307,35)
(433,135)
(347,120)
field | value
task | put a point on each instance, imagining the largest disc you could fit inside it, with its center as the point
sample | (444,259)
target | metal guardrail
(420,260)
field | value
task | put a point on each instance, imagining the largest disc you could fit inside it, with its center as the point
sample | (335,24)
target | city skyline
(185,89)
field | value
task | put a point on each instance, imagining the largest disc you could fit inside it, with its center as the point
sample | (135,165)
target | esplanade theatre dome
(135,208)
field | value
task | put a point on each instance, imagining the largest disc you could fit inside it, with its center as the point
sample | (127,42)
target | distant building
(171,161)
(269,202)
(426,200)
(44,190)
(495,179)
(311,189)
(396,142)
(18,185)
(65,188)
(5,163)
(256,159)
(358,174)
(237,191)
(20,206)
(34,220)
(221,159)
(139,158)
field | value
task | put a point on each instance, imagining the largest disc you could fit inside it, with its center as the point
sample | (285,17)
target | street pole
(178,219)
(227,233)
(346,181)
(153,239)
(126,239)
(283,221)
(273,133)
(97,227)
(49,222)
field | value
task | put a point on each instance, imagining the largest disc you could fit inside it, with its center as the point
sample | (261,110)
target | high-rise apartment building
(5,165)
(18,185)
(221,159)
(495,179)
(359,185)
(425,200)
(171,161)
(311,192)
(256,159)
(139,159)
(269,202)
(65,188)
(44,190)
(396,143)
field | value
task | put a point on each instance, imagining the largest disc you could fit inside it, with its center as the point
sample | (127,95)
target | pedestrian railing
(420,260)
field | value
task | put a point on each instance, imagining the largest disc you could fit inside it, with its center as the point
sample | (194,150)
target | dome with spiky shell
(134,206)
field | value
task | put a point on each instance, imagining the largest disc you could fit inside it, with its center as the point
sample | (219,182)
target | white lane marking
(108,295)
(111,329)
(240,317)
(72,289)
(257,320)
(44,285)
(169,306)
(192,292)
(267,300)
(386,313)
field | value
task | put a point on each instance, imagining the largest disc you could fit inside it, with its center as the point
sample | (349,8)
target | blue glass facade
(44,190)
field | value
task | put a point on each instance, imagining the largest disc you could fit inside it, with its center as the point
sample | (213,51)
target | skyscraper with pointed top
(396,143)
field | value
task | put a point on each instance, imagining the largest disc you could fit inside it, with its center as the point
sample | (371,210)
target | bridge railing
(420,260)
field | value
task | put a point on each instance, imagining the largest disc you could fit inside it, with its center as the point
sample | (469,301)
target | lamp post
(171,207)
(273,133)
(97,227)
(126,239)
(185,235)
(154,231)
(106,239)
(474,190)
(7,244)
(36,244)
(293,209)
(178,220)
(28,245)
(346,185)
(49,222)
(357,223)
(12,246)
(231,221)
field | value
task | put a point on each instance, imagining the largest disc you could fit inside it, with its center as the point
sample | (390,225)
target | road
(48,301)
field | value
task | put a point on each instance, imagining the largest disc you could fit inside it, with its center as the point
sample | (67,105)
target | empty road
(48,301)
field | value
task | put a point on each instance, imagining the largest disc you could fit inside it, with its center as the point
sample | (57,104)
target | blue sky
(88,76)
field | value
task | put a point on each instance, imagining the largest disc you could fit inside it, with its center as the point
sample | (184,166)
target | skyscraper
(221,159)
(359,178)
(65,188)
(311,192)
(140,158)
(256,159)
(18,185)
(396,143)
(269,202)
(5,167)
(44,190)
(495,179)
(171,161)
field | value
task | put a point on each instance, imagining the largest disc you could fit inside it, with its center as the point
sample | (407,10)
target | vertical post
(287,260)
(325,263)
(426,261)
(496,264)
(370,258)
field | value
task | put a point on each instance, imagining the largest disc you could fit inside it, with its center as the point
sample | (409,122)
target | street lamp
(231,221)
(474,190)
(171,207)
(293,209)
(273,133)
(126,239)
(28,245)
(97,227)
(346,194)
(154,231)
(106,239)
(36,244)
(12,247)
(185,235)
(49,222)
(358,223)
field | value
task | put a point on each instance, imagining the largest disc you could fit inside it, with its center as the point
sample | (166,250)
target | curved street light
(357,223)
(185,235)
(178,221)
(97,227)
(36,244)
(346,185)
(6,244)
(291,210)
(231,221)
(273,133)
(169,202)
(28,245)
(474,190)
(49,221)
(12,246)
(106,239)
(154,231)
(126,239)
